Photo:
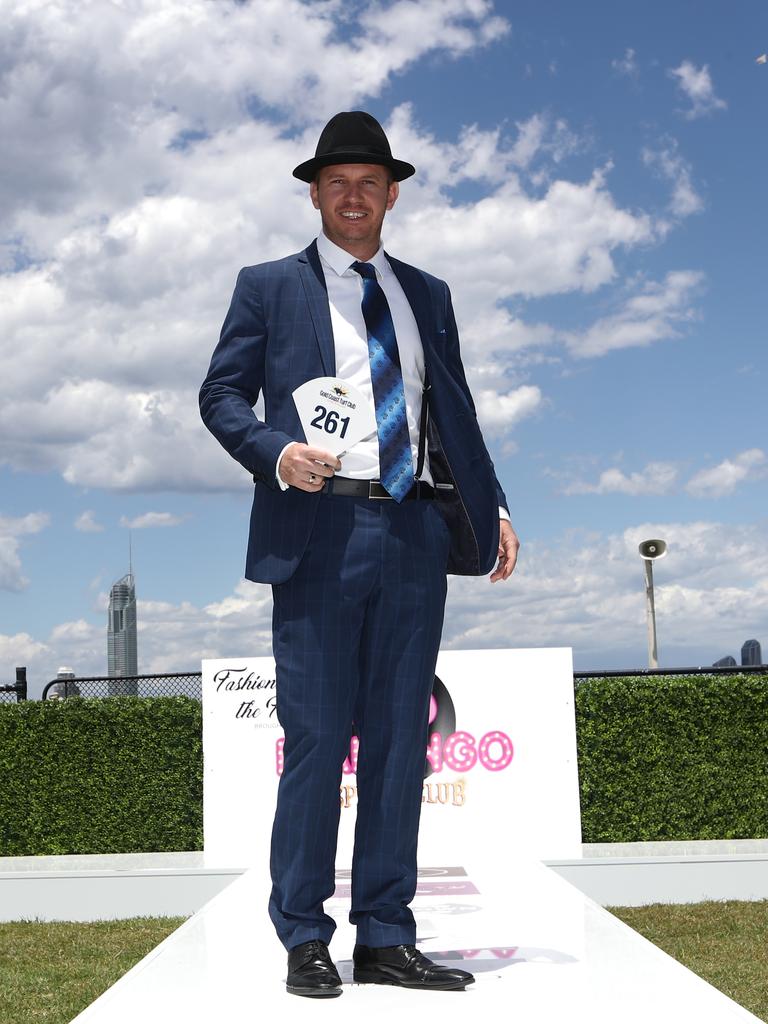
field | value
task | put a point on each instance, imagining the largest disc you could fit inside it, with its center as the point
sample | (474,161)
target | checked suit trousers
(356,632)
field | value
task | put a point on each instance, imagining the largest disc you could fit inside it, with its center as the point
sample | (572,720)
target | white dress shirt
(350,339)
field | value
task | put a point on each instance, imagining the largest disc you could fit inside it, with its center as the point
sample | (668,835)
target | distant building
(122,649)
(65,688)
(751,653)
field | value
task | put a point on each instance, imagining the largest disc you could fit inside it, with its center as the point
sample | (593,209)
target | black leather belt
(374,490)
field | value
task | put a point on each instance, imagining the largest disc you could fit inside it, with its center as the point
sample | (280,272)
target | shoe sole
(313,993)
(363,977)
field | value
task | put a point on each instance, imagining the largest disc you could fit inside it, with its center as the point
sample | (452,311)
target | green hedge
(88,775)
(679,757)
(659,758)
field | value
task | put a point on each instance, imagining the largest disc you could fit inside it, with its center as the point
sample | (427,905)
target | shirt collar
(339,260)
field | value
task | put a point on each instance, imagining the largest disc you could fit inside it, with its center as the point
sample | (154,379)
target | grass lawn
(49,972)
(726,943)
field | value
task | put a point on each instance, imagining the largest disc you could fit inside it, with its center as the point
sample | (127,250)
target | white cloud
(661,477)
(724,478)
(12,528)
(157,441)
(478,154)
(696,84)
(17,526)
(113,334)
(666,160)
(655,478)
(498,330)
(626,65)
(407,28)
(20,649)
(540,136)
(585,590)
(656,313)
(78,632)
(150,520)
(87,80)
(529,140)
(86,522)
(560,242)
(137,186)
(497,412)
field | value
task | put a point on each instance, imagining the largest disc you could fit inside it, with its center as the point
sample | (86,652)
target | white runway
(540,950)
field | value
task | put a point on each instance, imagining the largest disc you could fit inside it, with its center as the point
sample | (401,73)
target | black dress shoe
(405,965)
(311,971)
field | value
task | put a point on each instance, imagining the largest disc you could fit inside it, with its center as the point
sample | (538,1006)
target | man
(356,549)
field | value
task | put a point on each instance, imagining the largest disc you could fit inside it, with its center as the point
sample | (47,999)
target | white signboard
(500,765)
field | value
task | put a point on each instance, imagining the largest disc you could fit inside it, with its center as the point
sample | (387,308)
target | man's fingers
(510,558)
(508,547)
(317,469)
(310,482)
(311,479)
(320,455)
(307,468)
(510,562)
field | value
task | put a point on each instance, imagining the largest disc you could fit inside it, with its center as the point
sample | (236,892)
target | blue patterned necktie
(395,459)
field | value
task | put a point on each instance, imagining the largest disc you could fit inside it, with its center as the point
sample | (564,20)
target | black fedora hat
(353,137)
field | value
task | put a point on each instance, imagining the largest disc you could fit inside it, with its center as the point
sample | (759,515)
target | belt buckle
(377,497)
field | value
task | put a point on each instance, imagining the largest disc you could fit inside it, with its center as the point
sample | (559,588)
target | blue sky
(591,184)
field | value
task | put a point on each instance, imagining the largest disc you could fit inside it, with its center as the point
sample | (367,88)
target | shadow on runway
(480,960)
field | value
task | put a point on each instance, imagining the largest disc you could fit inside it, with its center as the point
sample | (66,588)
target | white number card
(334,414)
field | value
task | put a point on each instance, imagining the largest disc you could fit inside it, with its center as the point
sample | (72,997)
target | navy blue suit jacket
(277,335)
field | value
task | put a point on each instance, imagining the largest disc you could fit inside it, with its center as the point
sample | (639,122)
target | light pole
(650,550)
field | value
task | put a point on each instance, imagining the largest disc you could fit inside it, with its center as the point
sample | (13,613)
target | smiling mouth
(353,214)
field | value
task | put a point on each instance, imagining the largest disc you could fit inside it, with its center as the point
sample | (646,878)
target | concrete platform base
(95,887)
(635,874)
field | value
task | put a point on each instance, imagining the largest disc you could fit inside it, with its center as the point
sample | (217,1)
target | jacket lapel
(417,293)
(313,281)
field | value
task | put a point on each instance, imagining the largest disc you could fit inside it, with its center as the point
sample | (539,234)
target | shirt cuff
(503,514)
(281,483)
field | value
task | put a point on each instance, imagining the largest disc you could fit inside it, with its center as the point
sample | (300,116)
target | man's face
(352,200)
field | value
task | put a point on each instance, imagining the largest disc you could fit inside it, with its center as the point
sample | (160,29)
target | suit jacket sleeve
(235,378)
(454,363)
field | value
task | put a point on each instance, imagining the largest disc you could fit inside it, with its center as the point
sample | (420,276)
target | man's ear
(392,193)
(313,194)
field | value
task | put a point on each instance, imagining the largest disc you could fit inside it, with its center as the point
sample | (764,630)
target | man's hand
(508,547)
(307,468)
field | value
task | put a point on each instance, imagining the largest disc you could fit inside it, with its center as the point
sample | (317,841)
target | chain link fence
(189,684)
(13,692)
(170,684)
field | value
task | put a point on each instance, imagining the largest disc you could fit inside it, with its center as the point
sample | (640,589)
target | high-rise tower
(751,653)
(122,651)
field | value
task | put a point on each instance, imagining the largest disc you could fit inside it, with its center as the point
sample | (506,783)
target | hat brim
(307,171)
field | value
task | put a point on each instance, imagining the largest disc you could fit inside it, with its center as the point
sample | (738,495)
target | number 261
(329,420)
